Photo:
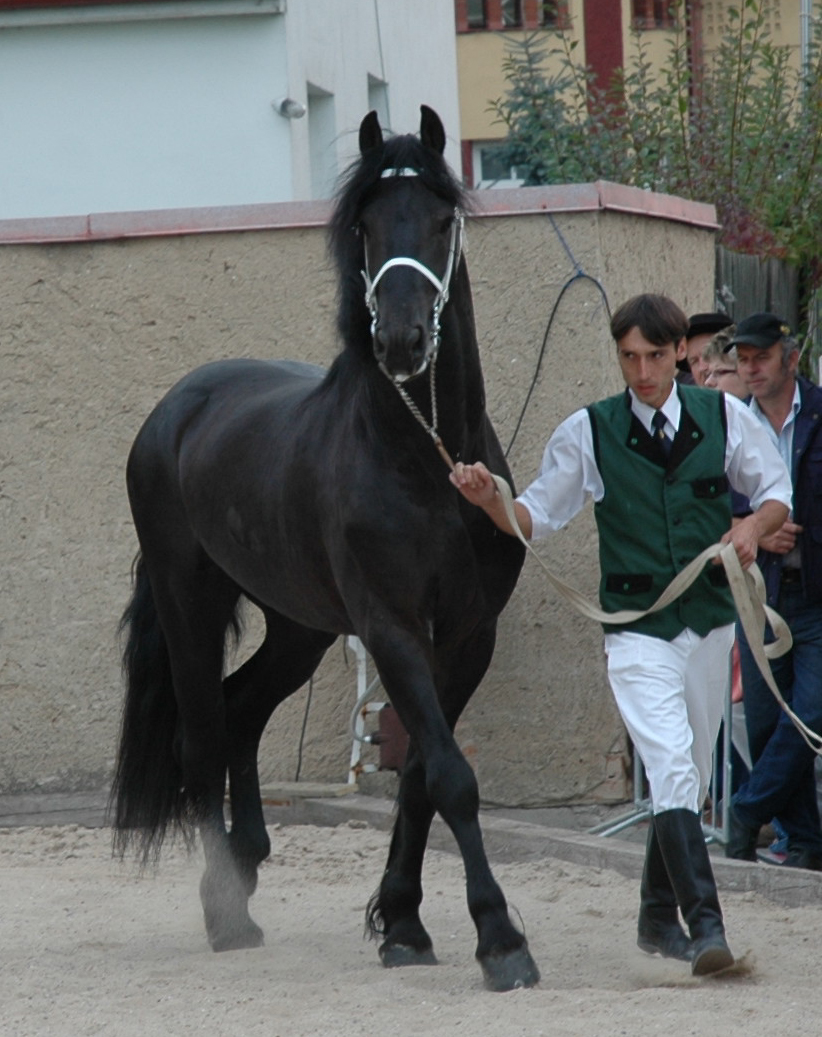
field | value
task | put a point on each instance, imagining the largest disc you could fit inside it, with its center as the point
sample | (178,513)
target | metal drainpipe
(804,34)
(696,45)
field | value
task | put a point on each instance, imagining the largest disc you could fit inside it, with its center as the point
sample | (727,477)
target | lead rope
(747,588)
(432,428)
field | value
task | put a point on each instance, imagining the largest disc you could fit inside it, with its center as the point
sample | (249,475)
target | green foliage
(747,136)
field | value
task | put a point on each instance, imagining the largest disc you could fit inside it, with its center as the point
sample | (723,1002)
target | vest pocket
(628,583)
(717,577)
(708,489)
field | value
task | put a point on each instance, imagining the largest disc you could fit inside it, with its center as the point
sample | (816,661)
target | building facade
(603,35)
(119,106)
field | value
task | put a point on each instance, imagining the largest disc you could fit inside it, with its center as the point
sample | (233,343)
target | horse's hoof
(397,955)
(247,938)
(510,971)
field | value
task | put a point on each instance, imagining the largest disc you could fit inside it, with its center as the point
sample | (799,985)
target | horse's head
(407,215)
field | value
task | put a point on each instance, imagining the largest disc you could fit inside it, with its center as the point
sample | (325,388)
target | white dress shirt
(569,475)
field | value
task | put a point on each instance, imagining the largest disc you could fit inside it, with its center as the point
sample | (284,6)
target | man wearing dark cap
(657,460)
(701,329)
(782,781)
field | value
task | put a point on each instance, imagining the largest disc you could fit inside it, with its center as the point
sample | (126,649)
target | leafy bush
(746,135)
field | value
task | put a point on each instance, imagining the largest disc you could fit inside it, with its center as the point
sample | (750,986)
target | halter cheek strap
(442,286)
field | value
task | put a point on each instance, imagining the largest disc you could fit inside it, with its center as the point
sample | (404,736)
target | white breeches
(671,697)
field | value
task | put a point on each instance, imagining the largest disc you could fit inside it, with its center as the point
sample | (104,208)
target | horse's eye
(357,229)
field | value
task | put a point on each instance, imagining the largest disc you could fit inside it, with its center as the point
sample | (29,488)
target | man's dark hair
(659,320)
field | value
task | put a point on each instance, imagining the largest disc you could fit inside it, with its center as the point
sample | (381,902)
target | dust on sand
(89,946)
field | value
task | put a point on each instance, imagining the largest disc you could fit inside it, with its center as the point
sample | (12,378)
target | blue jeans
(782,782)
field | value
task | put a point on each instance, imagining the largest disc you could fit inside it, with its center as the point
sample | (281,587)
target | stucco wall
(92,332)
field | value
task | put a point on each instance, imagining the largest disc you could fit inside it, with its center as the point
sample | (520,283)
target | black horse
(319,496)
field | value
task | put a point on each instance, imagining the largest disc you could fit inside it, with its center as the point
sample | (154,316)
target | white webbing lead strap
(747,588)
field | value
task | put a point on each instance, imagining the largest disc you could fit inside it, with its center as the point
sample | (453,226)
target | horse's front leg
(394,910)
(450,788)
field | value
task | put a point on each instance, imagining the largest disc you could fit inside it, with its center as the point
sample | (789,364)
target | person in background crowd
(721,374)
(657,460)
(701,329)
(720,365)
(782,783)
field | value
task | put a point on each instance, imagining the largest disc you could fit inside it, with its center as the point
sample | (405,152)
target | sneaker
(801,858)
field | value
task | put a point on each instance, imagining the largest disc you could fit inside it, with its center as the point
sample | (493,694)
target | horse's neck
(457,382)
(458,377)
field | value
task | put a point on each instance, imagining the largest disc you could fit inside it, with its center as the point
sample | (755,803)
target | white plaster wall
(141,115)
(409,46)
(121,115)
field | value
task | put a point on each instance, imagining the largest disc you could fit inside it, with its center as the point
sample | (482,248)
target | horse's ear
(370,133)
(432,133)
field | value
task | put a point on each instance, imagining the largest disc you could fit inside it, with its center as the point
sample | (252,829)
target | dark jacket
(806,476)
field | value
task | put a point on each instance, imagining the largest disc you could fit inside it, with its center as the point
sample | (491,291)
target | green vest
(656,516)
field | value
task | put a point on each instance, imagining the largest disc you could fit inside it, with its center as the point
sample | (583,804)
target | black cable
(580,275)
(302,733)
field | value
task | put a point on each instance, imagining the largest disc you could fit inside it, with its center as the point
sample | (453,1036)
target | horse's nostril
(414,339)
(380,344)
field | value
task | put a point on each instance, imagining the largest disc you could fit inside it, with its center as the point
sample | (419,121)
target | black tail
(147,795)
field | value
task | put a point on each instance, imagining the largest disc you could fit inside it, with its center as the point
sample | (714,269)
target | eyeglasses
(720,372)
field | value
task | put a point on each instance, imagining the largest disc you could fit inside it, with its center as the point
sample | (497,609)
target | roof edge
(599,196)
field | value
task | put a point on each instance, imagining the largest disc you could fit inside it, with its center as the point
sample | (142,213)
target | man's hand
(748,533)
(783,540)
(477,485)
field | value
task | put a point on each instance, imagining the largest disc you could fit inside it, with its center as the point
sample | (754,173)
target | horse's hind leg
(286,659)
(195,603)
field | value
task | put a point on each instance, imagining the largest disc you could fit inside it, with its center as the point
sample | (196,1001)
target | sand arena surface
(91,947)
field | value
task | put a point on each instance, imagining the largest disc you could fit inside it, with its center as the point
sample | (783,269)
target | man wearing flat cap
(701,329)
(782,780)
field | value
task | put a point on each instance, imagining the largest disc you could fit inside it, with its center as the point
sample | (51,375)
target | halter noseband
(442,286)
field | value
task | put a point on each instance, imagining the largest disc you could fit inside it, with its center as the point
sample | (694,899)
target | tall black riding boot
(686,857)
(658,930)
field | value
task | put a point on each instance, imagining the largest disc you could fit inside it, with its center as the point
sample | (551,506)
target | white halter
(442,286)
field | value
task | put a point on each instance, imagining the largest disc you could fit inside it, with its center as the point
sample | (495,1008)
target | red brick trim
(601,195)
(467,150)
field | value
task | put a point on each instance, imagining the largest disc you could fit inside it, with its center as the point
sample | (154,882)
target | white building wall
(118,109)
(141,115)
(344,49)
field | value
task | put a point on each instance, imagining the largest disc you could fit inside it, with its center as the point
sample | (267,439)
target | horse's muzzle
(404,353)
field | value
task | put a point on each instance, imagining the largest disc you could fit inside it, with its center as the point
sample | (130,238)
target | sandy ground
(88,946)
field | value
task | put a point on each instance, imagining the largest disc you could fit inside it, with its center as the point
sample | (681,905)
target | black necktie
(658,422)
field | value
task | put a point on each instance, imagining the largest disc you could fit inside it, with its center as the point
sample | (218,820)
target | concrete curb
(506,840)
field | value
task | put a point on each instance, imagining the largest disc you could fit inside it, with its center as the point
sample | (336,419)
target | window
(490,170)
(511,14)
(378,99)
(322,133)
(653,14)
(553,14)
(477,14)
(497,15)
